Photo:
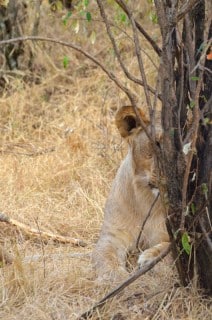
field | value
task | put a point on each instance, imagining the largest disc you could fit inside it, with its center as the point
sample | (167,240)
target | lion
(133,191)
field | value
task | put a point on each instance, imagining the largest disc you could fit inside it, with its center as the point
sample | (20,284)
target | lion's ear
(126,120)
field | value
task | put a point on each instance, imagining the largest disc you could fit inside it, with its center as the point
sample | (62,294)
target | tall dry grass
(59,153)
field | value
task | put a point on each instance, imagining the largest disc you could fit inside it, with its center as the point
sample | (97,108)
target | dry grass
(59,153)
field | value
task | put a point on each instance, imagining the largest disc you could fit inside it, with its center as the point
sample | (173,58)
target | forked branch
(117,53)
(109,73)
(186,7)
(130,94)
(154,45)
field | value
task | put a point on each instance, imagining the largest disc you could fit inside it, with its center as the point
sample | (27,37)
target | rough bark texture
(204,195)
(11,19)
(184,83)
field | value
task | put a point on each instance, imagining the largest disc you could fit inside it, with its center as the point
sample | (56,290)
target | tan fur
(128,203)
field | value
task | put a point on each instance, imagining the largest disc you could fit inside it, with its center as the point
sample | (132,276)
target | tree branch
(145,220)
(109,73)
(140,61)
(140,28)
(115,48)
(186,7)
(131,96)
(125,284)
(38,233)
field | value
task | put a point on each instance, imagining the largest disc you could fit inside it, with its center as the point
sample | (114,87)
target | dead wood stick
(122,286)
(43,234)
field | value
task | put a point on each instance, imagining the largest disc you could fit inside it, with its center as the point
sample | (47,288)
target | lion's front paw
(144,259)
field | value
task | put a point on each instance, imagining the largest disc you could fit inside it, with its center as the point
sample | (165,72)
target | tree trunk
(11,19)
(186,89)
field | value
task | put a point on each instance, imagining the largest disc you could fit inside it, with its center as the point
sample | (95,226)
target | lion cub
(129,201)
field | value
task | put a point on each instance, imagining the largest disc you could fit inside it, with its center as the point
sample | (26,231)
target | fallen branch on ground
(41,234)
(125,284)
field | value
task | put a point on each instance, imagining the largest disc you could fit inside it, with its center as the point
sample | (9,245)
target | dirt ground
(59,152)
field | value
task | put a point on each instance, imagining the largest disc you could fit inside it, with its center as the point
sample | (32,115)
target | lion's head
(141,148)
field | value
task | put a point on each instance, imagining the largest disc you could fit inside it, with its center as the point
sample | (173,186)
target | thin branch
(38,233)
(186,7)
(145,220)
(181,70)
(206,234)
(140,61)
(131,96)
(115,48)
(140,28)
(125,284)
(194,135)
(109,73)
(122,31)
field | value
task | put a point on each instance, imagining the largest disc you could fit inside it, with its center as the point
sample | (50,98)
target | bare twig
(109,73)
(206,234)
(145,221)
(38,233)
(132,78)
(117,53)
(139,58)
(181,70)
(154,45)
(186,7)
(131,96)
(125,284)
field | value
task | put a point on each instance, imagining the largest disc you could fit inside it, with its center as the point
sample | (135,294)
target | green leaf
(153,17)
(123,17)
(88,16)
(194,78)
(205,190)
(193,208)
(65,61)
(67,17)
(192,104)
(206,120)
(86,3)
(185,243)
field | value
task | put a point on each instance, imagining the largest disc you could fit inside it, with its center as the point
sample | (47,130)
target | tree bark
(186,83)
